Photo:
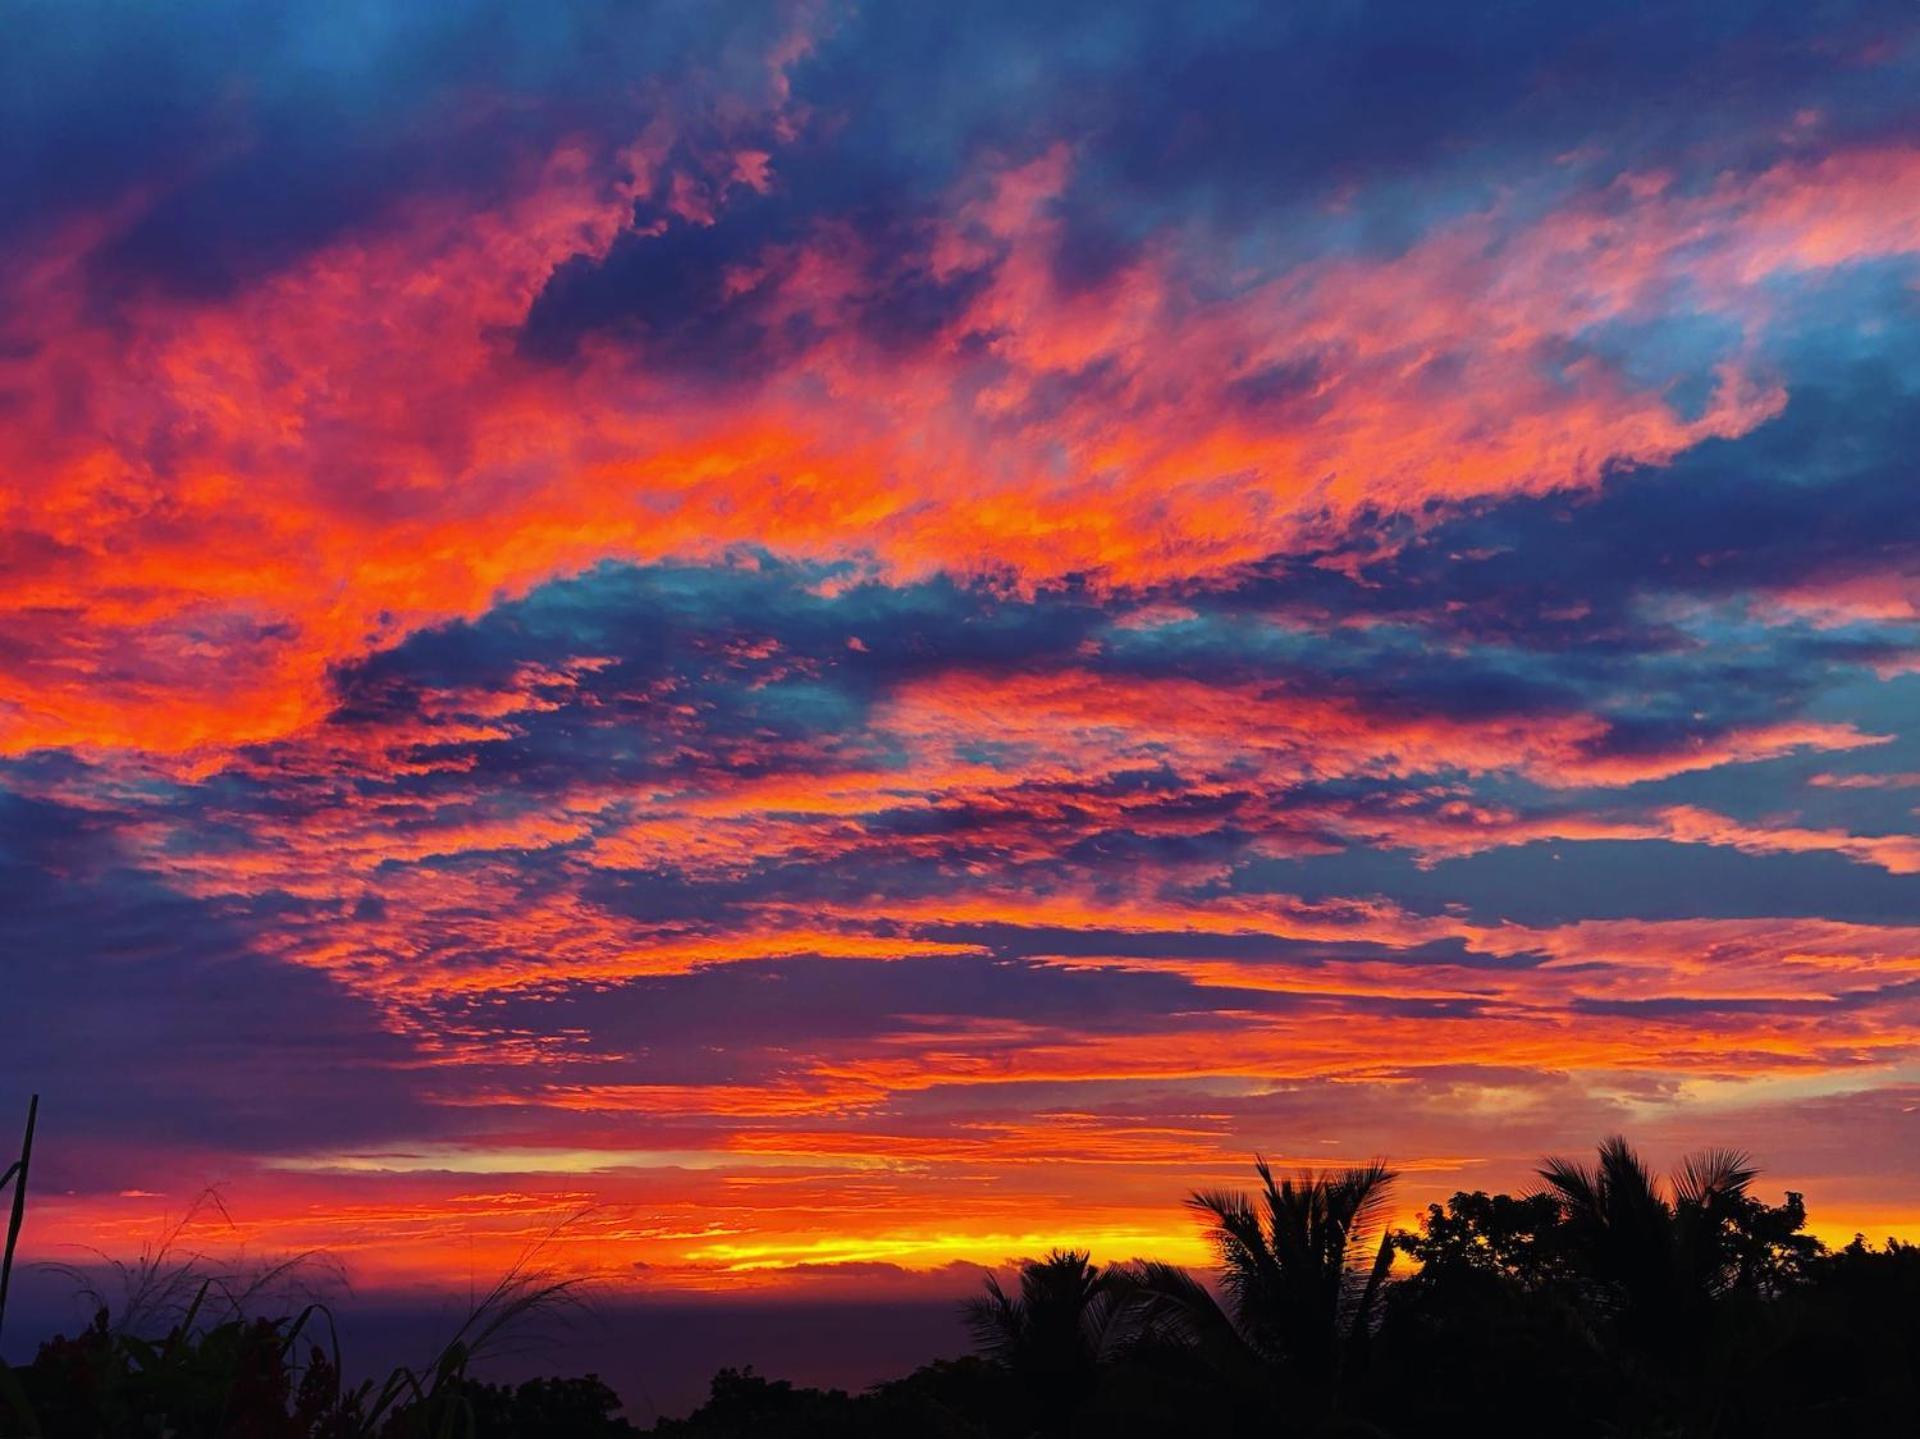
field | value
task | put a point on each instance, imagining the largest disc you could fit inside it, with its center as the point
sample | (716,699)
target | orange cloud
(213,502)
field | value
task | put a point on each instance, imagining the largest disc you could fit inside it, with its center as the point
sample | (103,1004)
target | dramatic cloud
(841,640)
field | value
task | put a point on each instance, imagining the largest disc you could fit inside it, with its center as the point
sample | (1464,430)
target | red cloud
(210,503)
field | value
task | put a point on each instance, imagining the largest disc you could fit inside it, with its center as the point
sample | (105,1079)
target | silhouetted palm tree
(1667,1251)
(1052,1336)
(1302,1264)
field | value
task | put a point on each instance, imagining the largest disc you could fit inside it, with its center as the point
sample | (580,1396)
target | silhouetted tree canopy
(1611,1301)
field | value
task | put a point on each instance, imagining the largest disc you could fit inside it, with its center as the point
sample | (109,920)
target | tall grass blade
(19,1174)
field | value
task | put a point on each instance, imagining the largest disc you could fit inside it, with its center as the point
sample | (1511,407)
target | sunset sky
(828,642)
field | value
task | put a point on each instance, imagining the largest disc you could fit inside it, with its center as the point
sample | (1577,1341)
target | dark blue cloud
(674,292)
(1587,584)
(1556,882)
(141,1012)
(262,132)
(1248,119)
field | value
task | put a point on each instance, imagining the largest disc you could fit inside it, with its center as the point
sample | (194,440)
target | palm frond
(1626,1179)
(1361,1198)
(1576,1187)
(1363,1310)
(996,1321)
(1164,1302)
(1713,1174)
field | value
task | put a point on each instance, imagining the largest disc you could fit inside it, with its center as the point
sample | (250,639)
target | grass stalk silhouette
(16,1175)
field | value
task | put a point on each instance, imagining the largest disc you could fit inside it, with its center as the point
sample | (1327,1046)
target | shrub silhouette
(1610,1301)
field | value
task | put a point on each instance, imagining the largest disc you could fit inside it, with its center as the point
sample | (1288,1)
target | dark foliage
(241,1377)
(1611,1302)
(251,1379)
(579,1408)
(1054,1336)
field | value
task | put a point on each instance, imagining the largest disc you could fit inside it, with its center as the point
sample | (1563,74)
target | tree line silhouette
(1606,1301)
